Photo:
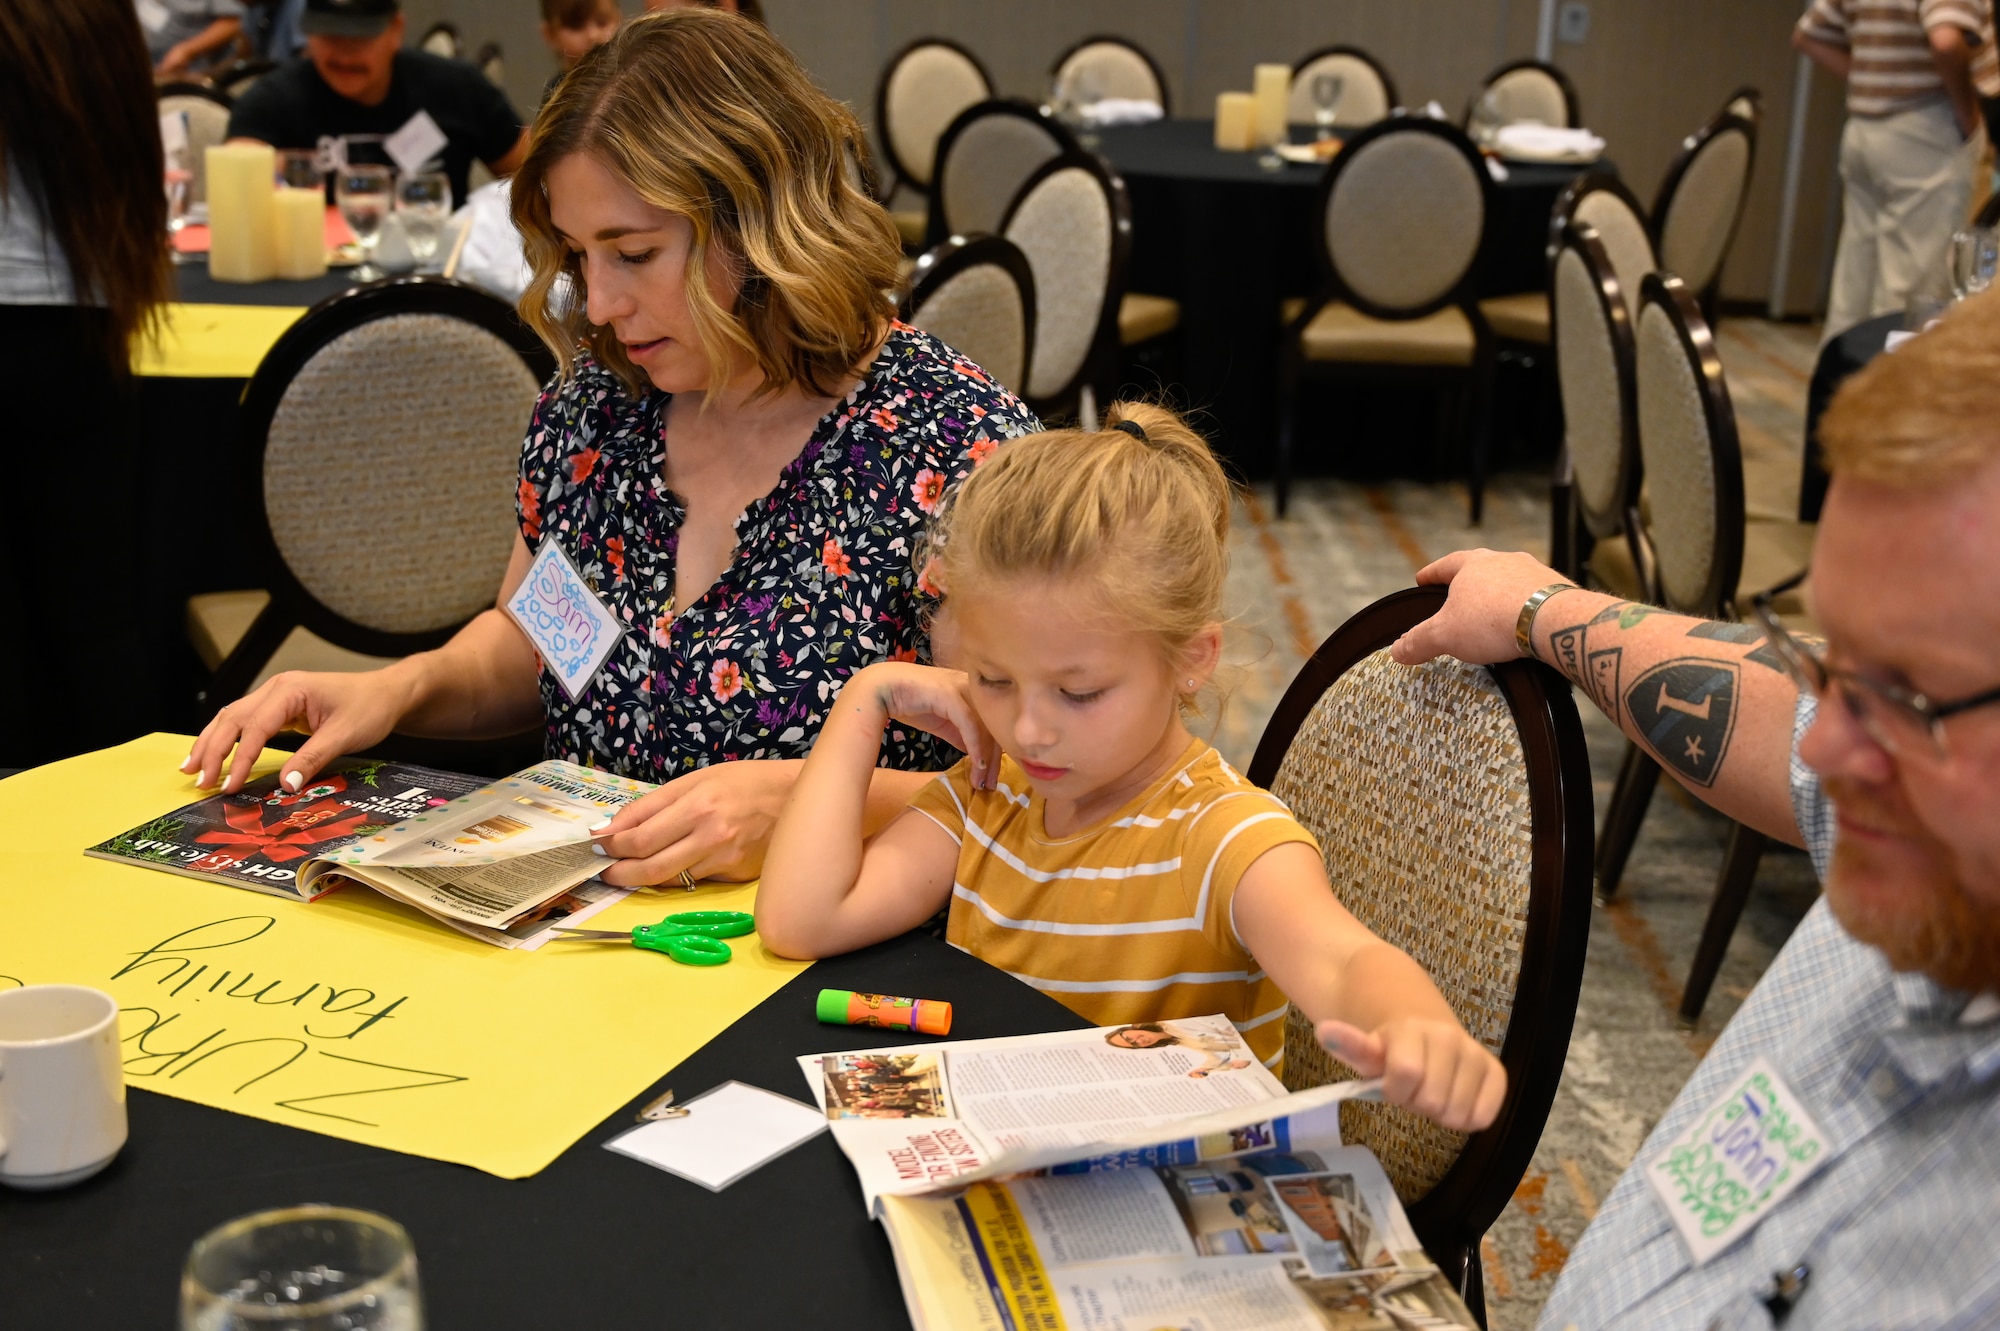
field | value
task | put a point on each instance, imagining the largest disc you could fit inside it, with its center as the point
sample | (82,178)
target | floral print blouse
(821,583)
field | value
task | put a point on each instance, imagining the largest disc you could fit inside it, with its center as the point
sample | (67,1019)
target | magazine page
(262,836)
(1294,1239)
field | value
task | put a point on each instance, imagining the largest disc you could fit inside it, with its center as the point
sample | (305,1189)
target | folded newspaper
(504,861)
(1124,1179)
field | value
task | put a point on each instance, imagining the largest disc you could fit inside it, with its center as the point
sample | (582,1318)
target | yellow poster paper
(353,1015)
(214,341)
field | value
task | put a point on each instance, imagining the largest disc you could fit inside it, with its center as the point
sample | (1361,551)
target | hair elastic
(1133,428)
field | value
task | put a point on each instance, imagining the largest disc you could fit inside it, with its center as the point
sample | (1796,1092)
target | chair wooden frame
(1571,107)
(1454,1215)
(1751,94)
(1381,72)
(953,256)
(938,226)
(1112,39)
(1663,201)
(899,170)
(1590,182)
(1100,364)
(1623,517)
(291,605)
(1471,407)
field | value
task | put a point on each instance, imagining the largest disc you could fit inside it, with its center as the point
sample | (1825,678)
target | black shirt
(291,107)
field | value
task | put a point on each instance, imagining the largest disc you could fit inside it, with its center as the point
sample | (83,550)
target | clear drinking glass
(301,168)
(1326,90)
(363,192)
(1487,118)
(424,202)
(304,1268)
(179,183)
(1975,255)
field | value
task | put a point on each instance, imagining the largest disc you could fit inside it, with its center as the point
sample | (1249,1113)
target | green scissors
(691,937)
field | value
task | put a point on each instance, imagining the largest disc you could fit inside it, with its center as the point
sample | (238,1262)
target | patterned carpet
(1343,545)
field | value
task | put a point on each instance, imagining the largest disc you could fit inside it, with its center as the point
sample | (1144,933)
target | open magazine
(1124,1179)
(504,861)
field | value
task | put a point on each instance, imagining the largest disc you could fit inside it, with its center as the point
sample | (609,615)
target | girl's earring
(1190,686)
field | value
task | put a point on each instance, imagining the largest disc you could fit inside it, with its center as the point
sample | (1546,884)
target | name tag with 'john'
(1747,1152)
(570,627)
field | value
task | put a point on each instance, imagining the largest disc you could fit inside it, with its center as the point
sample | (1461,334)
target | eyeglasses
(1901,720)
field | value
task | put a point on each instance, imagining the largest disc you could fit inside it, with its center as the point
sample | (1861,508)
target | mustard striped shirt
(1128,920)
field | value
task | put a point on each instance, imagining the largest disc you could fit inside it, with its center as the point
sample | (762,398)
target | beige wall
(1650,72)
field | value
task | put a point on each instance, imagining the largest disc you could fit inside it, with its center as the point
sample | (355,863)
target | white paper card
(413,146)
(152,15)
(1747,1152)
(728,1132)
(569,626)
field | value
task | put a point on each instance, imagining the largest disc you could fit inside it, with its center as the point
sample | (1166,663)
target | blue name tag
(571,629)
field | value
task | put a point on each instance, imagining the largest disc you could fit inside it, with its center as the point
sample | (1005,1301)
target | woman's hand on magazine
(715,822)
(342,712)
(1432,1067)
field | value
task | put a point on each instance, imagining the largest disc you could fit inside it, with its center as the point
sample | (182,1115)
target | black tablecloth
(193,285)
(595,1241)
(1840,357)
(1230,241)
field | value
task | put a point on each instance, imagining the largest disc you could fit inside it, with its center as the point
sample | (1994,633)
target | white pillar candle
(240,224)
(301,232)
(1233,121)
(1272,88)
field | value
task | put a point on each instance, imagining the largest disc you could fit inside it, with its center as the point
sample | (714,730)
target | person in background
(1908,149)
(189,36)
(357,79)
(573,29)
(83,274)
(749,9)
(1879,750)
(272,29)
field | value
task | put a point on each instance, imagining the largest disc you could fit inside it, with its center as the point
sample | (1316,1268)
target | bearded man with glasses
(1877,1027)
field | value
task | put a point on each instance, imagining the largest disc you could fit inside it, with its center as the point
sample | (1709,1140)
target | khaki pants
(1908,180)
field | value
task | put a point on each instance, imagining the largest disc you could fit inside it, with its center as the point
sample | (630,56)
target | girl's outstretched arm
(826,888)
(1375,1007)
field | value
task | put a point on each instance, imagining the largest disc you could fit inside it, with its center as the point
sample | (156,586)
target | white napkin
(1528,139)
(1121,111)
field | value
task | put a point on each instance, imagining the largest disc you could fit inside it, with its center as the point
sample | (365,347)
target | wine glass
(363,191)
(1326,90)
(423,201)
(1486,120)
(304,1268)
(1975,255)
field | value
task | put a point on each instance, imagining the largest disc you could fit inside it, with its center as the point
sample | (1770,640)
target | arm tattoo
(1747,635)
(1685,709)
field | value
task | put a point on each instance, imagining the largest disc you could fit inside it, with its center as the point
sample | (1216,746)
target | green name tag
(1745,1154)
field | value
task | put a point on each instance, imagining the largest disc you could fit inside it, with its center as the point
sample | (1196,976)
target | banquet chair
(1747,102)
(1530,91)
(378,446)
(984,157)
(207,111)
(1708,559)
(1099,67)
(492,62)
(441,39)
(1597,530)
(977,296)
(1599,200)
(241,76)
(1403,211)
(923,88)
(1367,92)
(1701,202)
(1452,806)
(1074,223)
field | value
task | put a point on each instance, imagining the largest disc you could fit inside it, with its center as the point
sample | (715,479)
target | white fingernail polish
(293,780)
(185,761)
(201,779)
(597,827)
(597,848)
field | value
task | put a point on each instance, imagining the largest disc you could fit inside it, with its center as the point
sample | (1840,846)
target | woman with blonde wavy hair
(739,454)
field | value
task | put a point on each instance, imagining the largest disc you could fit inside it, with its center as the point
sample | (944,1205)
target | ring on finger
(685,879)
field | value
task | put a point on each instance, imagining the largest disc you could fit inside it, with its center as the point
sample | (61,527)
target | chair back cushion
(1593,384)
(1064,224)
(985,166)
(1415,782)
(1679,457)
(1107,67)
(923,93)
(1403,219)
(979,313)
(1622,232)
(389,470)
(208,125)
(1526,93)
(1700,215)
(1364,97)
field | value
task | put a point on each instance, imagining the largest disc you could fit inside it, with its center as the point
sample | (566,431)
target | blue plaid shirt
(1901,1226)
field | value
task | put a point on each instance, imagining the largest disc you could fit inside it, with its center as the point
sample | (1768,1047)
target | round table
(1231,240)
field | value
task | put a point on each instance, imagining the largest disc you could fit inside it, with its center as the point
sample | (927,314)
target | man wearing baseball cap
(357,79)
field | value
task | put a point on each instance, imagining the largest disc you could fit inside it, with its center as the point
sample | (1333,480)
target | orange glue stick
(844,1007)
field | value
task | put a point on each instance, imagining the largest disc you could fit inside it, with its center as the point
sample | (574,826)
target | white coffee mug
(62,1089)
